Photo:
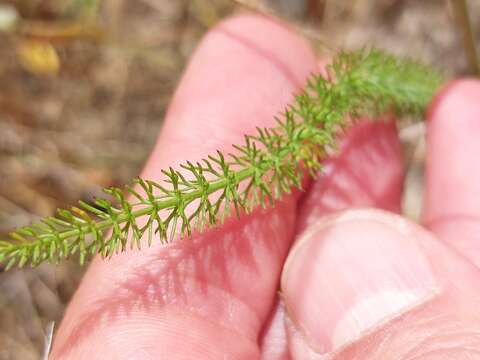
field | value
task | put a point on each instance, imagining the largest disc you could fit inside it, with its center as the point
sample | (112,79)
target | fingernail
(352,273)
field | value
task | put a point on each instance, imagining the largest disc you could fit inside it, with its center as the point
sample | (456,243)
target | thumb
(366,284)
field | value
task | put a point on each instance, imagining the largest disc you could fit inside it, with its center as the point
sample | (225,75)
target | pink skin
(452,214)
(215,296)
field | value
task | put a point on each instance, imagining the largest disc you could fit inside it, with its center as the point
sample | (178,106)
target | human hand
(357,284)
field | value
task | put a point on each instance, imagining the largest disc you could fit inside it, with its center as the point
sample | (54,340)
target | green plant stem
(159,205)
(267,166)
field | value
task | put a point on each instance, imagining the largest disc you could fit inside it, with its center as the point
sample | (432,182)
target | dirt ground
(86,114)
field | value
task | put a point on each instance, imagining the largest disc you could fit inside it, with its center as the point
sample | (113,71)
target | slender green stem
(158,205)
(268,165)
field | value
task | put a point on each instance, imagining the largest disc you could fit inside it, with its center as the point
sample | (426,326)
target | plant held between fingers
(266,166)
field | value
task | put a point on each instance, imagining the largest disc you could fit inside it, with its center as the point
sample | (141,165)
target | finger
(206,297)
(370,285)
(452,176)
(367,171)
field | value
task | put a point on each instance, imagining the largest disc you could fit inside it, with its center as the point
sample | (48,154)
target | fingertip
(269,31)
(452,96)
(243,73)
(352,272)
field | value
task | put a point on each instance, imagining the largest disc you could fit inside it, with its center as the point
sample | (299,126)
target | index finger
(206,297)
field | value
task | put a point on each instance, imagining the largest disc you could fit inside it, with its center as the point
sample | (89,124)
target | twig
(48,340)
(316,9)
(464,26)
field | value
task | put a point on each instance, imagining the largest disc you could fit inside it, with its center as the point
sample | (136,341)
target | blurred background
(84,85)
